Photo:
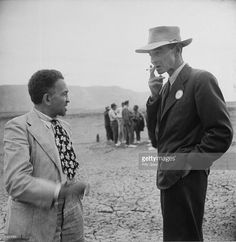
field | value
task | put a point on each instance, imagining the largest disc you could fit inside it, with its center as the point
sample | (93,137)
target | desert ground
(123,204)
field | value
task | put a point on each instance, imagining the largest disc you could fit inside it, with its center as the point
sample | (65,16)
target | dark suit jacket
(193,129)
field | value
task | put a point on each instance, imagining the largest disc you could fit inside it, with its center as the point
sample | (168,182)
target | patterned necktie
(165,95)
(66,151)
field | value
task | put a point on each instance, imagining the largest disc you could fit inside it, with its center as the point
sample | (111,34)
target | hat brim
(155,45)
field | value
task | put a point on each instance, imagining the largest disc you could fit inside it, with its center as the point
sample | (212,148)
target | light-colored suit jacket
(32,171)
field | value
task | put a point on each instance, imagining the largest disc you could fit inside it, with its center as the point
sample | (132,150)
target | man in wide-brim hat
(189,125)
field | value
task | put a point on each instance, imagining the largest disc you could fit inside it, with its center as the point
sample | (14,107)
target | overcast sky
(93,42)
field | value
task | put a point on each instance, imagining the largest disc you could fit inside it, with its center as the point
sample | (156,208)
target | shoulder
(16,128)
(18,121)
(203,77)
(206,86)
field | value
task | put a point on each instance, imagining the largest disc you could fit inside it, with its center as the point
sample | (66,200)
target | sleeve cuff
(56,192)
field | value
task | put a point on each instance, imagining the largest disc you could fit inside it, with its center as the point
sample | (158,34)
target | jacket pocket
(19,219)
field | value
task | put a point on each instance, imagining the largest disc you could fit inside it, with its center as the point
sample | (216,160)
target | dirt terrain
(124,202)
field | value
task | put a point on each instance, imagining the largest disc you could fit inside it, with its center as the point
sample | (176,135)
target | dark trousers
(183,208)
(137,132)
(114,127)
(109,132)
(129,134)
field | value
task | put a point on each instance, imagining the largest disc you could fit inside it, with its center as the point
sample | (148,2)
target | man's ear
(47,99)
(179,49)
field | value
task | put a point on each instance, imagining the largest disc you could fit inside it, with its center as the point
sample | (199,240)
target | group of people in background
(123,125)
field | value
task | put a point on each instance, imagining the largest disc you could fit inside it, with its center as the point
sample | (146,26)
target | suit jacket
(127,116)
(194,128)
(32,169)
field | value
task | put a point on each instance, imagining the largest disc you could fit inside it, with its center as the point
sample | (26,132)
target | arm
(152,110)
(218,132)
(153,104)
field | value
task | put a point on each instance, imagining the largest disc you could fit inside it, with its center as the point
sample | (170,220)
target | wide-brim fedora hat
(163,35)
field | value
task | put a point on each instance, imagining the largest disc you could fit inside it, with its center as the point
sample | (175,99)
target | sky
(93,42)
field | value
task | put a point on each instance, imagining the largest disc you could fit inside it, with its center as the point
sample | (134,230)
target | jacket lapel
(178,85)
(43,137)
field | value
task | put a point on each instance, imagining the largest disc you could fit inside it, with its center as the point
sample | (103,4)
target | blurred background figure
(107,123)
(138,123)
(114,123)
(128,125)
(120,124)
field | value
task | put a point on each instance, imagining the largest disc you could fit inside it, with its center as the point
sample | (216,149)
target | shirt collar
(45,118)
(175,74)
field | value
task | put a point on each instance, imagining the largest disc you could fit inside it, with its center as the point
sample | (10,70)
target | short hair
(41,82)
(113,105)
(135,107)
(126,102)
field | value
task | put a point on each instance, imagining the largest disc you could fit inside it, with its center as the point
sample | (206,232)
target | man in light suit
(40,166)
(189,125)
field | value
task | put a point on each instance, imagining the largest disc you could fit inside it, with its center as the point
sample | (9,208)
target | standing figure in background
(120,124)
(138,122)
(107,123)
(114,123)
(40,168)
(128,125)
(189,125)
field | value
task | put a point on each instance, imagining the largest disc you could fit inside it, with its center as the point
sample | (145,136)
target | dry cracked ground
(123,204)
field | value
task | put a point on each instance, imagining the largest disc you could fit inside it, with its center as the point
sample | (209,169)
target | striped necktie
(165,95)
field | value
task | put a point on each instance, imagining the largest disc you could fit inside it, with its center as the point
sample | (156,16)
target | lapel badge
(179,94)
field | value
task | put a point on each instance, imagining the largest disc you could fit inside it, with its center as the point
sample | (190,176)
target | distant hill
(15,98)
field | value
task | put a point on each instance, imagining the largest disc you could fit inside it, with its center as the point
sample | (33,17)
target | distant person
(128,125)
(138,122)
(114,123)
(189,124)
(40,166)
(107,123)
(120,123)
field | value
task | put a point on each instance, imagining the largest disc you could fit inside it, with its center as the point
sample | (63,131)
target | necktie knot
(55,122)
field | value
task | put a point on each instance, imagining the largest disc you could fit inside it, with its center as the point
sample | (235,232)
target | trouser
(109,133)
(120,130)
(137,132)
(183,208)
(70,225)
(114,127)
(129,133)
